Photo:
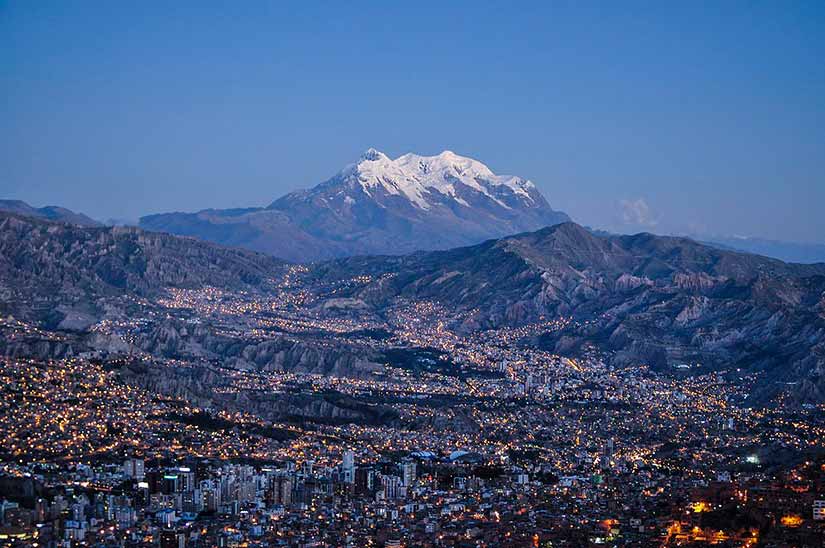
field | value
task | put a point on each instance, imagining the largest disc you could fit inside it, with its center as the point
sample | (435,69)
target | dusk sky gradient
(670,117)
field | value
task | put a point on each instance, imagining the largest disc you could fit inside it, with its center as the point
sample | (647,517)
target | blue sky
(701,117)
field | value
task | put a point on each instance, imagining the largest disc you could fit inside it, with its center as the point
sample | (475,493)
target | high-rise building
(211,494)
(306,467)
(171,484)
(192,501)
(408,472)
(393,487)
(134,468)
(280,490)
(125,517)
(364,480)
(348,467)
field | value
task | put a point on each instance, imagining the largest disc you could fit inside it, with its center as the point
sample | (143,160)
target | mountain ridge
(51,213)
(643,298)
(377,206)
(50,270)
(639,298)
(788,251)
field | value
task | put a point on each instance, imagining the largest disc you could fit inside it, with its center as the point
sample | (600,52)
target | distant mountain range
(378,206)
(792,252)
(257,229)
(51,213)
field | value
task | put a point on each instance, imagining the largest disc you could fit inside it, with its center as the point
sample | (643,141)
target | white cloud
(637,212)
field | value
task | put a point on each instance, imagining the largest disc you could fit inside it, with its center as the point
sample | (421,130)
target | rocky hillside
(643,298)
(660,300)
(55,272)
(202,385)
(300,354)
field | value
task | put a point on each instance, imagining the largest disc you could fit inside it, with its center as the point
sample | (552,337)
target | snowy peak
(379,205)
(372,155)
(417,177)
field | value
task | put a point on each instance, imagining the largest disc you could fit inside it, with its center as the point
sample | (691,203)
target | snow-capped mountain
(417,178)
(379,206)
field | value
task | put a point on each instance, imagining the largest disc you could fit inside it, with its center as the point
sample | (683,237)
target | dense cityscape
(453,438)
(412,274)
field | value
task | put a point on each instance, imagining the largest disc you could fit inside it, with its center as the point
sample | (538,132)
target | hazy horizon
(701,118)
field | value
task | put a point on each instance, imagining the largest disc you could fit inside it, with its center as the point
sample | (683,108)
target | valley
(514,372)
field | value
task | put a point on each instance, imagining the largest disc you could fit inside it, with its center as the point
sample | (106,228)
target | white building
(408,472)
(819,510)
(348,467)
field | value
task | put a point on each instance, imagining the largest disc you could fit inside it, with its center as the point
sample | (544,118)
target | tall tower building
(408,472)
(348,467)
(134,469)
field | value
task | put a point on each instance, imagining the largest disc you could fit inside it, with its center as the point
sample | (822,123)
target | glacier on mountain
(414,177)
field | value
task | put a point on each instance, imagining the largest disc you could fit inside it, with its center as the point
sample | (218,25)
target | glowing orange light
(699,507)
(791,520)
